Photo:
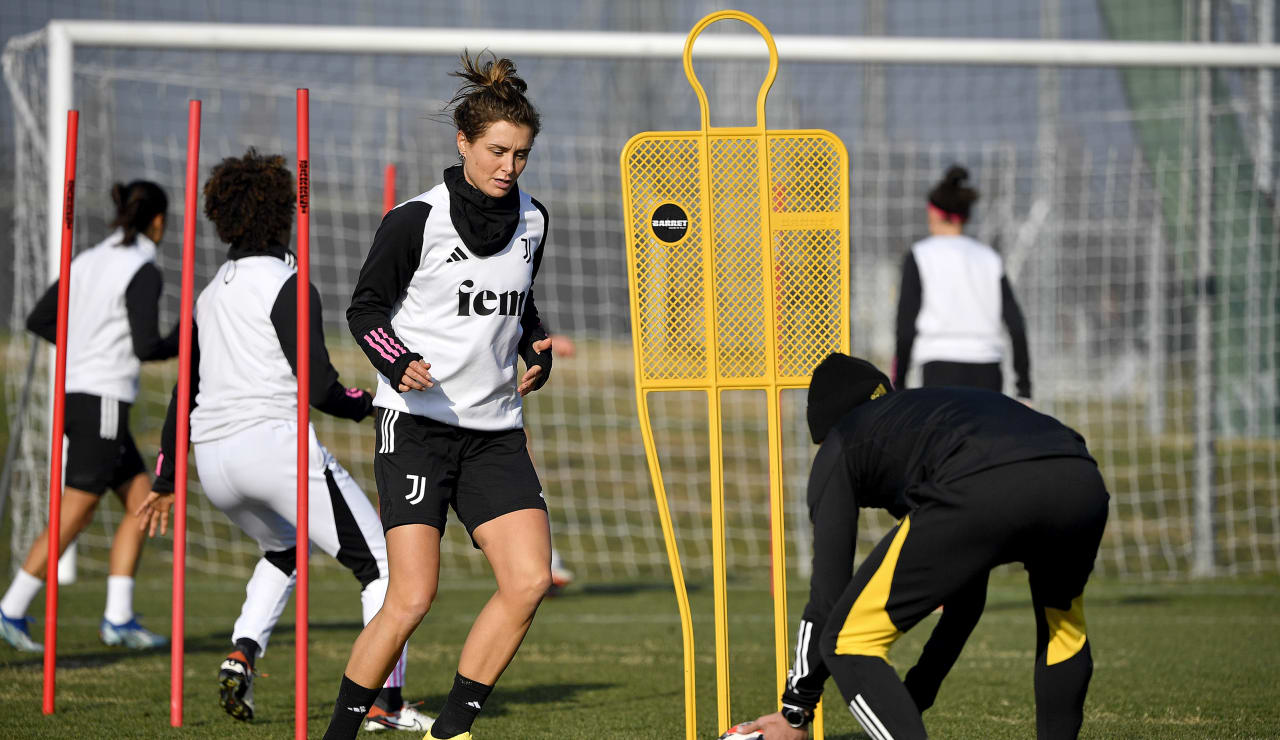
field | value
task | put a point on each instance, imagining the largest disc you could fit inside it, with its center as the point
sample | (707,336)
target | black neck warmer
(485,224)
(279,251)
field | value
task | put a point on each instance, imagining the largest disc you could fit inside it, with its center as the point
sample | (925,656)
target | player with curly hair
(443,308)
(244,426)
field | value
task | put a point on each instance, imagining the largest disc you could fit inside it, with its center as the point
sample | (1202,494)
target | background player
(979,480)
(112,327)
(244,426)
(451,274)
(953,298)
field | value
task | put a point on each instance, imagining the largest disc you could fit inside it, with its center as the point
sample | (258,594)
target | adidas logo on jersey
(487,302)
(457,255)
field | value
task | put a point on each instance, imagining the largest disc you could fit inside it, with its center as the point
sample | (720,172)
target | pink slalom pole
(388,188)
(304,412)
(59,418)
(190,212)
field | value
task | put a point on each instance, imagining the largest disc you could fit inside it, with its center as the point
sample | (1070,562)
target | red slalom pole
(388,188)
(192,192)
(303,541)
(59,418)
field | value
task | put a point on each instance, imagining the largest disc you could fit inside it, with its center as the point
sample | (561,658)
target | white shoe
(408,718)
(561,576)
(130,634)
(17,632)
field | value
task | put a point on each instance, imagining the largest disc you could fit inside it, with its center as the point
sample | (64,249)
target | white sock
(371,599)
(21,593)
(396,678)
(119,599)
(265,596)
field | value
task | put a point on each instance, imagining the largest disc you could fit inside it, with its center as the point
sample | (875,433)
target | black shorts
(964,374)
(423,466)
(101,453)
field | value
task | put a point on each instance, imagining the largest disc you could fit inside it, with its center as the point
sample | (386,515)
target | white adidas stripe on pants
(871,724)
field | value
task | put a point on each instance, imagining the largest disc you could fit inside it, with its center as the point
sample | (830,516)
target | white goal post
(64,35)
(1094,237)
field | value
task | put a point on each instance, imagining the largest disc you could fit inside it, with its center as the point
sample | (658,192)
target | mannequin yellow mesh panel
(670,286)
(737,229)
(809,216)
(808,220)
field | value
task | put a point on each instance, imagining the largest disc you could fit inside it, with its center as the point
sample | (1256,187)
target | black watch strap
(795,716)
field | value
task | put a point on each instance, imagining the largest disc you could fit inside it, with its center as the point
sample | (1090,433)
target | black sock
(349,710)
(249,648)
(460,709)
(390,698)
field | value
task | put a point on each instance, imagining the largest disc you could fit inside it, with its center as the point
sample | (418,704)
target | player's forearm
(43,319)
(166,465)
(808,673)
(141,301)
(344,403)
(388,355)
(1013,319)
(910,297)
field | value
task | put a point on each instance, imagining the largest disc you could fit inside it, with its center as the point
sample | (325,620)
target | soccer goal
(1129,186)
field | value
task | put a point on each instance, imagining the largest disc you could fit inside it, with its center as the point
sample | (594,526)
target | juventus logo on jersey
(528,248)
(457,255)
(417,490)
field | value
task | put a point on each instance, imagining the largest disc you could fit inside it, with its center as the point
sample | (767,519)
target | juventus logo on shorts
(418,489)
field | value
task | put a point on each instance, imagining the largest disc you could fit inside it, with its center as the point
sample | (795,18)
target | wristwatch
(795,716)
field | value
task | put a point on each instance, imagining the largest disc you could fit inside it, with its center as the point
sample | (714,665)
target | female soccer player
(443,306)
(112,327)
(244,426)
(953,299)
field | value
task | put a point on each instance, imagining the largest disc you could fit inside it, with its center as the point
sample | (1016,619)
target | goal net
(1134,208)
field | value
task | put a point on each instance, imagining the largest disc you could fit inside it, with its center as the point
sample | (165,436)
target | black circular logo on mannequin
(670,223)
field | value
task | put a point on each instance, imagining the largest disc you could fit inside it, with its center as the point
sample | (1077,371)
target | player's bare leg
(77,511)
(518,547)
(413,561)
(119,625)
(126,545)
(413,558)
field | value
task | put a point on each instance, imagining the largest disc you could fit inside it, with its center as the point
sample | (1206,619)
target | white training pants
(251,477)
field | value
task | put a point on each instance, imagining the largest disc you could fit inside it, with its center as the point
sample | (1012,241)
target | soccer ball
(735,734)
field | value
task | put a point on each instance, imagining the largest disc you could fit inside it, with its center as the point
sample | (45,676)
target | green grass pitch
(1178,660)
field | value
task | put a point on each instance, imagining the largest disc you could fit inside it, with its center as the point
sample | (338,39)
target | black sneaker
(235,686)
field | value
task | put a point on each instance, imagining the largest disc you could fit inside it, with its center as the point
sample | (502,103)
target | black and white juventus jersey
(423,293)
(244,350)
(112,319)
(953,299)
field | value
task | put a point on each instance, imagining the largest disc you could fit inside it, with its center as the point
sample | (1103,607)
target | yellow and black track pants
(1048,514)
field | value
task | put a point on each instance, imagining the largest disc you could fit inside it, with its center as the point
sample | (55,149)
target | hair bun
(117,195)
(956,176)
(495,74)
